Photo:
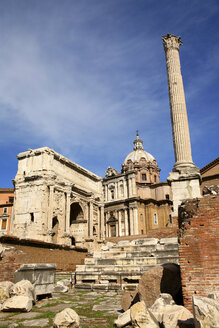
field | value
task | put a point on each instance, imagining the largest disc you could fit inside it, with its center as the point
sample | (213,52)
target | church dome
(138,153)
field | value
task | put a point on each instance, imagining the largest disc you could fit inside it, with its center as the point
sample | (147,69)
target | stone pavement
(96,309)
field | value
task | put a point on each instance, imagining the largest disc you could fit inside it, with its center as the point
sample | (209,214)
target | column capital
(171,41)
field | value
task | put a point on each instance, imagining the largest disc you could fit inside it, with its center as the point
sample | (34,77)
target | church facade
(58,201)
(135,201)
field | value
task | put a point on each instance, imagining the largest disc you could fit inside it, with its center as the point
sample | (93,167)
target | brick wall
(16,254)
(199,247)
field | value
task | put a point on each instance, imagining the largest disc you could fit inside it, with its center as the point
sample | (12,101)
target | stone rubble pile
(17,297)
(148,307)
(21,296)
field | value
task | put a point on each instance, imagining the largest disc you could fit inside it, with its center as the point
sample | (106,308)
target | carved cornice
(171,41)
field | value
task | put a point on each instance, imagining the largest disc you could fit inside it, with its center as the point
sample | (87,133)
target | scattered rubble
(4,291)
(18,303)
(61,286)
(68,318)
(23,288)
(123,319)
(206,311)
(141,317)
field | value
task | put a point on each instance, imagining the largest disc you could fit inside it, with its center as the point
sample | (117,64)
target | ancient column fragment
(185,173)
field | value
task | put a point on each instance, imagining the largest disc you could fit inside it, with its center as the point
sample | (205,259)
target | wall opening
(55,228)
(76,213)
(31,217)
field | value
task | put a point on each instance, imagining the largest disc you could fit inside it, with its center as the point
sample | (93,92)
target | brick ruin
(20,251)
(199,247)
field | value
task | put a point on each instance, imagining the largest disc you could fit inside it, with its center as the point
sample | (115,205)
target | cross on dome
(138,143)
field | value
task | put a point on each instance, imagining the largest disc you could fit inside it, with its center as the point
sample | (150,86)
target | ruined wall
(199,247)
(20,252)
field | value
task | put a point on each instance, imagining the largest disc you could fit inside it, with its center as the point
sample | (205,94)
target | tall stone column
(185,173)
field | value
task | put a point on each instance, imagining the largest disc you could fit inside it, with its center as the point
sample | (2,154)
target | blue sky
(82,76)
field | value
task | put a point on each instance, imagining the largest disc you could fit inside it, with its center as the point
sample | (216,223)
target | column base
(184,171)
(185,184)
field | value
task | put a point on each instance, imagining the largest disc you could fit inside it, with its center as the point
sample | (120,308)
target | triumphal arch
(56,200)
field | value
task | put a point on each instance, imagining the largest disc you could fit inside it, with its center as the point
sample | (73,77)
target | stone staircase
(121,265)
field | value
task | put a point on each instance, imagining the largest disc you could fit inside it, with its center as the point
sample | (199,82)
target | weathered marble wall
(56,200)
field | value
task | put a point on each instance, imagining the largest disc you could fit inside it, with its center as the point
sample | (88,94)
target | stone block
(5,287)
(67,318)
(41,275)
(23,288)
(166,241)
(141,317)
(123,319)
(206,312)
(18,303)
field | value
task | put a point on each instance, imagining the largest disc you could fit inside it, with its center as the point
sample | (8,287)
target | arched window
(122,190)
(144,177)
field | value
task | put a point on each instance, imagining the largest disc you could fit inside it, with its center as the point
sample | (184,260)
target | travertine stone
(68,318)
(40,274)
(206,312)
(5,287)
(18,303)
(123,319)
(141,317)
(56,200)
(23,288)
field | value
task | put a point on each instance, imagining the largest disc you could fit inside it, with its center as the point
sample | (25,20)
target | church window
(155,178)
(141,217)
(142,231)
(5,210)
(112,194)
(167,196)
(155,218)
(122,190)
(4,224)
(144,177)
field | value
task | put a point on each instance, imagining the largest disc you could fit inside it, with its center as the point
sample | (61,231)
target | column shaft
(180,127)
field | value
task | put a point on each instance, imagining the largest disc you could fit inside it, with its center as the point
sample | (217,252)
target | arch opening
(76,213)
(55,228)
